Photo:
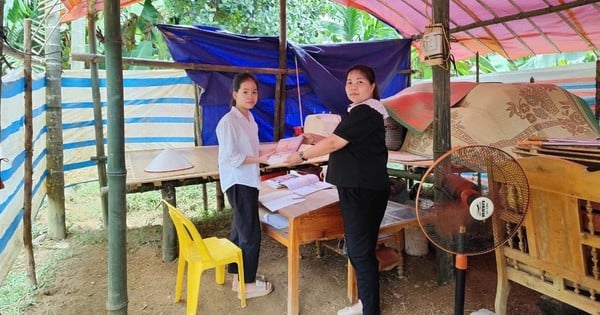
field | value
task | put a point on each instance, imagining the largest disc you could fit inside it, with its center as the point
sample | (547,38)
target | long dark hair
(369,73)
(238,80)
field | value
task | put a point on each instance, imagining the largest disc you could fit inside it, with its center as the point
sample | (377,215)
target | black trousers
(245,228)
(363,210)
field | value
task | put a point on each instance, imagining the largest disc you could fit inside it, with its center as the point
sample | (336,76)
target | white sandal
(355,309)
(235,284)
(262,288)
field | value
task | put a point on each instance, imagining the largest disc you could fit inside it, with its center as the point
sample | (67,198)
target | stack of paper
(276,220)
(279,199)
(300,184)
(284,148)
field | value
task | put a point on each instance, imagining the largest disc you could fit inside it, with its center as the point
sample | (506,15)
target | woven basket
(394,134)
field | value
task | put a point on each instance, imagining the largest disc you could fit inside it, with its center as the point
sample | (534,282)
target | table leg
(400,249)
(293,272)
(204,197)
(319,251)
(169,235)
(220,196)
(352,288)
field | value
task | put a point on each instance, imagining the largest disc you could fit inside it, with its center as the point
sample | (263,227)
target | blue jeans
(363,210)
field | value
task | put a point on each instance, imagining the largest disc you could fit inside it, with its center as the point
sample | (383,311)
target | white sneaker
(355,309)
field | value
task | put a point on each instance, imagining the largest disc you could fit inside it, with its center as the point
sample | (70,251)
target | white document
(305,184)
(278,158)
(277,182)
(279,199)
(284,148)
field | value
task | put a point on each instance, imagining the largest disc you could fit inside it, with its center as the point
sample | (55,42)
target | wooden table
(205,169)
(204,160)
(318,218)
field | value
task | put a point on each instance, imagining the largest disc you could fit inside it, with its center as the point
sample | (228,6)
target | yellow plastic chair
(202,254)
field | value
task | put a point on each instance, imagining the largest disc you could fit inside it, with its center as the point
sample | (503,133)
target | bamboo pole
(28,163)
(441,122)
(100,157)
(55,182)
(117,300)
(180,65)
(597,107)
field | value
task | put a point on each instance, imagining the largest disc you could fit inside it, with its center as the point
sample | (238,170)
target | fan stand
(461,271)
(461,203)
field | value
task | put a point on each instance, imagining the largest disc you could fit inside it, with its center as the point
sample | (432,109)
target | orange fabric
(79,8)
(413,106)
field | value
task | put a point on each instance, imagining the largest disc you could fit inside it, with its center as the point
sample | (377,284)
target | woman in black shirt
(358,167)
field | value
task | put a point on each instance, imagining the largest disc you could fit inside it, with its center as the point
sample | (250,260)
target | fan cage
(459,176)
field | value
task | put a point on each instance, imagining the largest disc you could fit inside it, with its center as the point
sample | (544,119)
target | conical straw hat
(167,161)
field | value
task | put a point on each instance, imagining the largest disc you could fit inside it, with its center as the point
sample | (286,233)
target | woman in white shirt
(239,174)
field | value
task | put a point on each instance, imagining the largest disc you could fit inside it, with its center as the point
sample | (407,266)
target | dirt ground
(81,282)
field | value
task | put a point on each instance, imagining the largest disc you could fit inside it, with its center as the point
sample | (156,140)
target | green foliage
(345,24)
(15,16)
(252,17)
(14,29)
(16,293)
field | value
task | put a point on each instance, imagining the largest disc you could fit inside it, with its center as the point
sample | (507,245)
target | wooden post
(441,122)
(100,157)
(169,236)
(279,123)
(198,90)
(28,164)
(220,196)
(55,182)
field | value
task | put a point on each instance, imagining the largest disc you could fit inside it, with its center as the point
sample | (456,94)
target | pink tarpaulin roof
(513,29)
(75,9)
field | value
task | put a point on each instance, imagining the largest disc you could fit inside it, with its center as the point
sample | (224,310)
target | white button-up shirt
(238,139)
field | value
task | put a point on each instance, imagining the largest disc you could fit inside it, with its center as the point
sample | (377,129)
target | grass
(84,227)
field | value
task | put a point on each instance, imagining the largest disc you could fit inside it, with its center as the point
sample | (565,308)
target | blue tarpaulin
(321,78)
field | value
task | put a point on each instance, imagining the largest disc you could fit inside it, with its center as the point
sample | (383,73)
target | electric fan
(480,197)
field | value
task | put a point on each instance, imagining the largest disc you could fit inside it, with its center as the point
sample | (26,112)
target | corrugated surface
(555,28)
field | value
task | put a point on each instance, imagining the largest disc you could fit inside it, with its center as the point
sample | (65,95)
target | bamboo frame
(528,14)
(93,58)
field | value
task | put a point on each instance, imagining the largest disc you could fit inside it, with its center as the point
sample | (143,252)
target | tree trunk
(55,182)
